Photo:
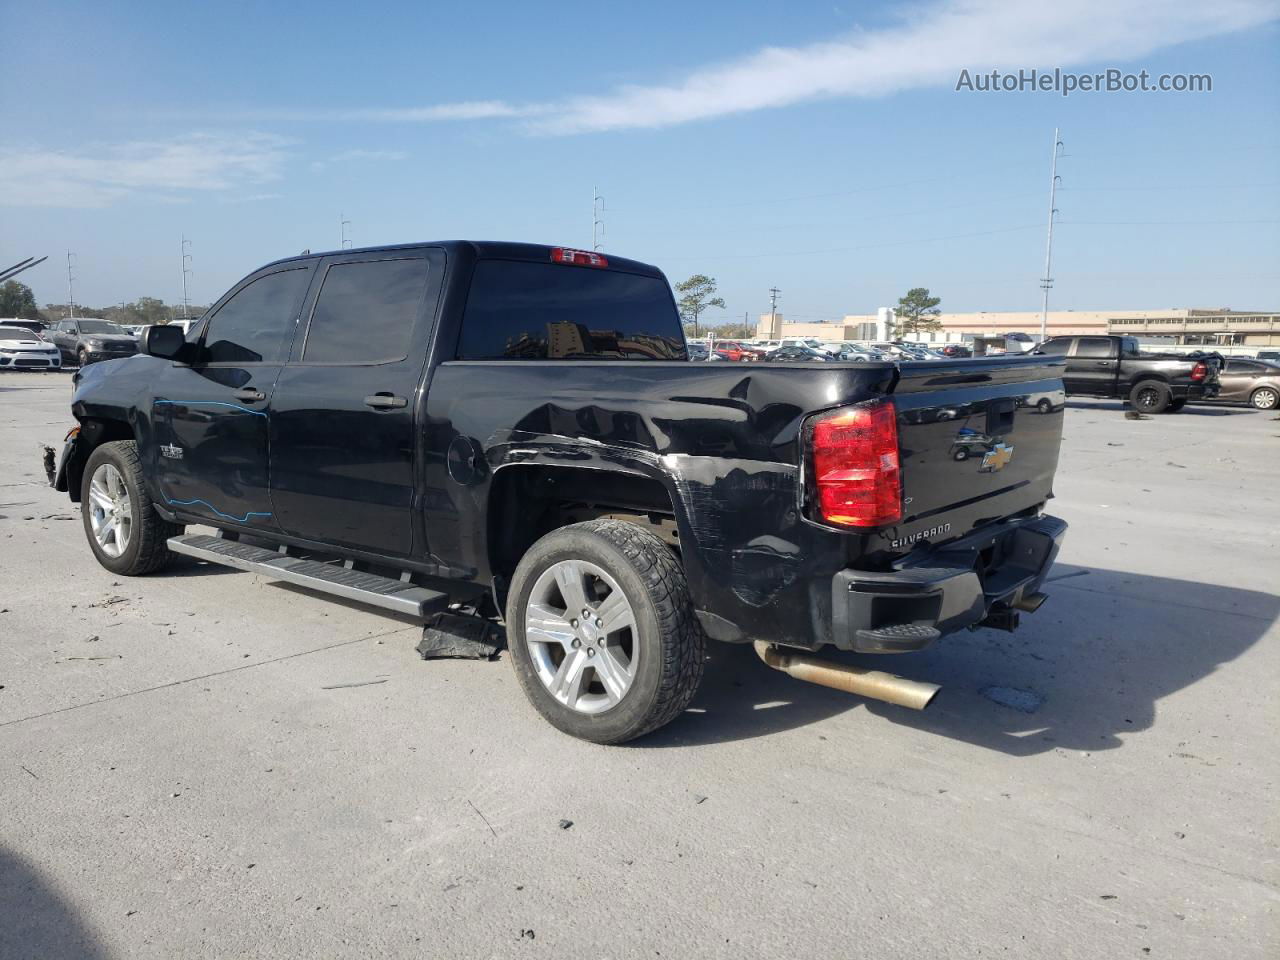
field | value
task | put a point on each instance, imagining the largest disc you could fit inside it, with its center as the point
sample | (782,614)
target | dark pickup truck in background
(1115,367)
(517,428)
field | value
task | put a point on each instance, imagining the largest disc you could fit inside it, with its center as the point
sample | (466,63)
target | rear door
(1236,381)
(343,431)
(211,418)
(1093,368)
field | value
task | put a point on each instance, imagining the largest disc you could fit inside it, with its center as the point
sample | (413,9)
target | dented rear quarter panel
(725,440)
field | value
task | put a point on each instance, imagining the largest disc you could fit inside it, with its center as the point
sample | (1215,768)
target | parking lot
(204,762)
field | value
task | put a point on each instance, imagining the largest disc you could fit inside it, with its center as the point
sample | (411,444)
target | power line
(860,247)
(1156,223)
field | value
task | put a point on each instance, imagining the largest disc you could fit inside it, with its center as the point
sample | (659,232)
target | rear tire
(1265,398)
(124,531)
(591,682)
(1150,396)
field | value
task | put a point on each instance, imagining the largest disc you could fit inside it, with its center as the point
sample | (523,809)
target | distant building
(1222,329)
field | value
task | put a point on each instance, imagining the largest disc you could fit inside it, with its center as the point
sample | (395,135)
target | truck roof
(486,250)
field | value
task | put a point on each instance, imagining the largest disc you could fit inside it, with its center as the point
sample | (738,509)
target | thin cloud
(928,48)
(359,156)
(98,175)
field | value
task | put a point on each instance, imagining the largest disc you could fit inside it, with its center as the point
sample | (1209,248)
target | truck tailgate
(978,442)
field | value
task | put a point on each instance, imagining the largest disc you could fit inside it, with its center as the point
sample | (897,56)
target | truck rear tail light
(857,480)
(1199,372)
(579,258)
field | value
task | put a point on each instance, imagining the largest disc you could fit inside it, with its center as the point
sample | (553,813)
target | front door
(345,407)
(212,418)
(63,337)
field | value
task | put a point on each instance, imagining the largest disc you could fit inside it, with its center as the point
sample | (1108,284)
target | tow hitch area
(839,676)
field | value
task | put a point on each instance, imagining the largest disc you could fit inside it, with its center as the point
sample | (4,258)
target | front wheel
(1150,396)
(82,357)
(126,534)
(1265,398)
(601,630)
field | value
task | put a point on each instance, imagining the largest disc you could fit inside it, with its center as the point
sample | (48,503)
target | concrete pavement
(175,780)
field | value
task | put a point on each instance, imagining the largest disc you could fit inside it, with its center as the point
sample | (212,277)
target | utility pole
(1047,281)
(774,332)
(186,270)
(71,291)
(343,242)
(597,219)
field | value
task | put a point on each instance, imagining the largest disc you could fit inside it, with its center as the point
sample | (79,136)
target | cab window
(1057,347)
(256,324)
(1094,348)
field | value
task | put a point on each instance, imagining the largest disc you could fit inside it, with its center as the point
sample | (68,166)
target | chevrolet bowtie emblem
(999,456)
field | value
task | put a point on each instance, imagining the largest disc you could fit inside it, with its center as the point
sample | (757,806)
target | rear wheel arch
(1145,378)
(528,501)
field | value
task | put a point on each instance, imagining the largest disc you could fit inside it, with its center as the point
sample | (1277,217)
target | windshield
(17,333)
(100,326)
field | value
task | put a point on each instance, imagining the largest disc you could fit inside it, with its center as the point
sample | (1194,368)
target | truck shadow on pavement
(37,921)
(1081,673)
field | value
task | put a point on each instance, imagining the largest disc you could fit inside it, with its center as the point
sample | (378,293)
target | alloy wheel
(1149,398)
(1265,399)
(581,634)
(110,510)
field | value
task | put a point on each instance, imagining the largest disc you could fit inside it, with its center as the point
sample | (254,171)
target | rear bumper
(1193,391)
(984,577)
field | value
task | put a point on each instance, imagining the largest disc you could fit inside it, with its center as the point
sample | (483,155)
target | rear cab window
(526,310)
(1094,348)
(366,310)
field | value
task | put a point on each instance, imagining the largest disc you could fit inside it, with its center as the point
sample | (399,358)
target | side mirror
(163,341)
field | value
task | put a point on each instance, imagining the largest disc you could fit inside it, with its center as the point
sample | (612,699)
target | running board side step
(397,595)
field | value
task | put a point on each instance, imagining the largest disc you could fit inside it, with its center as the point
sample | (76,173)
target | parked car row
(811,348)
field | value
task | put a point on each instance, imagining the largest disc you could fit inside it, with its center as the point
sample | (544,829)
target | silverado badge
(997,458)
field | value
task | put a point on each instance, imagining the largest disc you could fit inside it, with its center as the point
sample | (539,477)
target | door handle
(385,401)
(249,395)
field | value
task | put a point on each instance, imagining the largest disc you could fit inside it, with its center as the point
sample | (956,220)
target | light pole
(1047,281)
(186,270)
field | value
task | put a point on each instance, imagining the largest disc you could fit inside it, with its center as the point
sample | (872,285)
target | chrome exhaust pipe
(838,676)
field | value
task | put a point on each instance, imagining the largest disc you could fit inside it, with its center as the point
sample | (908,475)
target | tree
(918,312)
(151,310)
(696,294)
(17,300)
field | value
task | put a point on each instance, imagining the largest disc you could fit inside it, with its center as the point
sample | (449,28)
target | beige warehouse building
(1228,331)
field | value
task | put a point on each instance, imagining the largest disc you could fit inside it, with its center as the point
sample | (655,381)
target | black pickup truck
(1114,367)
(517,429)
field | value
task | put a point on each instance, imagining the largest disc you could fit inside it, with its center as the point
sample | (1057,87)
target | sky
(822,149)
